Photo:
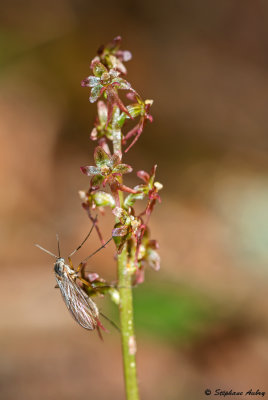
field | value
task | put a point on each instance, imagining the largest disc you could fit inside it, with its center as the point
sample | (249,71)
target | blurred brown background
(202,319)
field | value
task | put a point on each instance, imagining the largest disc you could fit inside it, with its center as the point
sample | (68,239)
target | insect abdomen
(81,307)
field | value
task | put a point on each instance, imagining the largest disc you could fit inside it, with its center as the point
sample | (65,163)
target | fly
(82,308)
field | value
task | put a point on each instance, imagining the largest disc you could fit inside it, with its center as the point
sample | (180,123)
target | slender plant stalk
(125,268)
(135,248)
(127,326)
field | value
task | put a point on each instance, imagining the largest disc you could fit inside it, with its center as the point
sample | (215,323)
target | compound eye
(58,268)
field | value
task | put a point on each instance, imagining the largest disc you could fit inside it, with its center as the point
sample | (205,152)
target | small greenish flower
(106,82)
(150,188)
(140,108)
(98,286)
(97,199)
(147,255)
(111,55)
(129,225)
(107,168)
(127,220)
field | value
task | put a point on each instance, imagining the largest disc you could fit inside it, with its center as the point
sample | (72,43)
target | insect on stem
(79,303)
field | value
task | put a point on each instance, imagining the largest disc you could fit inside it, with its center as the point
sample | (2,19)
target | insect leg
(111,322)
(93,287)
(85,282)
(89,233)
(99,332)
(80,266)
(96,251)
(70,262)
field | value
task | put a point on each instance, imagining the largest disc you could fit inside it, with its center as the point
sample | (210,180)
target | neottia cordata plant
(115,133)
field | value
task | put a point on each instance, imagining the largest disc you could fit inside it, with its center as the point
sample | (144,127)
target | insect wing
(82,308)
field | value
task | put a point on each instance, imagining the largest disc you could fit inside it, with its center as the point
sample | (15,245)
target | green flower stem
(125,267)
(117,139)
(127,326)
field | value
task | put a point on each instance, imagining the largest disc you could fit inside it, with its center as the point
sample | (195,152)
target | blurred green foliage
(172,312)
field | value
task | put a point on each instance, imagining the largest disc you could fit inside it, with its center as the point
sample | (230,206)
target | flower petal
(113,73)
(139,276)
(124,55)
(158,186)
(93,81)
(131,198)
(93,276)
(116,158)
(144,176)
(103,199)
(120,231)
(122,169)
(153,259)
(97,180)
(120,240)
(115,295)
(101,157)
(90,170)
(121,83)
(98,68)
(82,194)
(134,110)
(117,64)
(120,213)
(94,134)
(95,93)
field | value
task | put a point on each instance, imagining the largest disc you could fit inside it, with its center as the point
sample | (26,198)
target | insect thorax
(59,266)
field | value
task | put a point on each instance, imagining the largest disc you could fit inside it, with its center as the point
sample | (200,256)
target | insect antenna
(45,250)
(111,322)
(96,251)
(89,233)
(58,241)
